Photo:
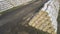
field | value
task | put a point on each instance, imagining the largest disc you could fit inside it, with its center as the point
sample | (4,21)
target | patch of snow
(52,7)
(1,0)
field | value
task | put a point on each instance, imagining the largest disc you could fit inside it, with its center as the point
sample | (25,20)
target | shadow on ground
(58,31)
(19,29)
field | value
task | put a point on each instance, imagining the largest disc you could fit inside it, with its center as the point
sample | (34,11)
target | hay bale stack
(46,18)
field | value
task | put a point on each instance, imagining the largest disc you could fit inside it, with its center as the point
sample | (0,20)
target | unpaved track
(15,17)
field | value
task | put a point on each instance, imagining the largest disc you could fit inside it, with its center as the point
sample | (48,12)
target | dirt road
(13,18)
